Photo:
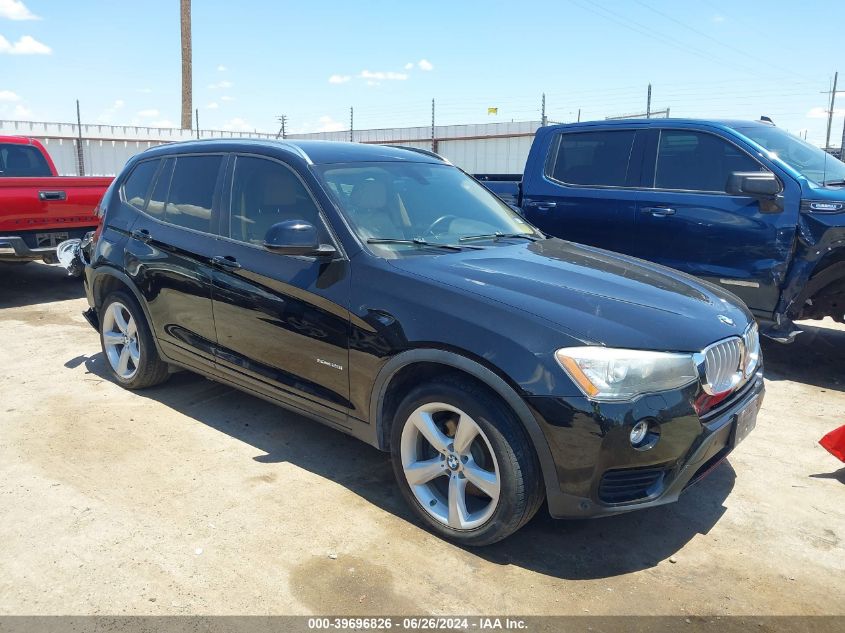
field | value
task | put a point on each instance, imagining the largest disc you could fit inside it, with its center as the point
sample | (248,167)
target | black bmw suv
(382,291)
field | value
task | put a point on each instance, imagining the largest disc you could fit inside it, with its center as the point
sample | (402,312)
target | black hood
(596,296)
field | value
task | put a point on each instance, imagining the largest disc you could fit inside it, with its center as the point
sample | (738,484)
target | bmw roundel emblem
(725,319)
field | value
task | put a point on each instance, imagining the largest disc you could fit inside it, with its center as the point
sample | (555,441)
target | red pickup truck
(38,208)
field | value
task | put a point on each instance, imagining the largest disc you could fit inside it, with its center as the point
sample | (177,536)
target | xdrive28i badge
(725,319)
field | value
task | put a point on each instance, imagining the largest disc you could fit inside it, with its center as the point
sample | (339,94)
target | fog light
(639,433)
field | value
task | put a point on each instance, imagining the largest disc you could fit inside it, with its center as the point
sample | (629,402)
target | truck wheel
(464,463)
(128,344)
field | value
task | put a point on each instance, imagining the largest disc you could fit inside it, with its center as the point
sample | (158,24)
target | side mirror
(296,237)
(762,185)
(759,184)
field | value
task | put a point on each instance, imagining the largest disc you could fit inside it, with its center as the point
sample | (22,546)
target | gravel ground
(193,498)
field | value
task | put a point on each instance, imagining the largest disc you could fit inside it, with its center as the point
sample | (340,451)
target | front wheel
(464,463)
(128,343)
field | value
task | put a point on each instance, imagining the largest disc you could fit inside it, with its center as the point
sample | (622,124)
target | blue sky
(254,60)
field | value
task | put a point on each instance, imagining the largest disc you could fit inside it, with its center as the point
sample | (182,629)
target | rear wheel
(464,463)
(128,344)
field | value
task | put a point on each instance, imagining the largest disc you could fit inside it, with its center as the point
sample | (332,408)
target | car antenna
(766,119)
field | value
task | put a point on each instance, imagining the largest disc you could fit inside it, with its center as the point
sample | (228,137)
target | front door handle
(52,195)
(142,235)
(659,212)
(228,262)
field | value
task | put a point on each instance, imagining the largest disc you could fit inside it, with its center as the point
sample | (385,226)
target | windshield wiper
(837,181)
(498,235)
(417,241)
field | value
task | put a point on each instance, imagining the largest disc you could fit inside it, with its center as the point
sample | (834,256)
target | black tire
(151,370)
(520,479)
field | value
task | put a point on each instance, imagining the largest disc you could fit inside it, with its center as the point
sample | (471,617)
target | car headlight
(604,373)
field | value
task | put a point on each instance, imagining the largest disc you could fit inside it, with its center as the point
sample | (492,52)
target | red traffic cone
(834,442)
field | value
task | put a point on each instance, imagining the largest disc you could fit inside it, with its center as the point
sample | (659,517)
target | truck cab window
(591,158)
(697,161)
(22,161)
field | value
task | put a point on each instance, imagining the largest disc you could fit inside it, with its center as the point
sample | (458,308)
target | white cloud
(821,113)
(212,106)
(383,76)
(718,18)
(22,112)
(409,66)
(237,125)
(152,112)
(8,95)
(227,98)
(339,79)
(370,82)
(221,84)
(16,10)
(328,124)
(424,64)
(221,68)
(26,45)
(107,115)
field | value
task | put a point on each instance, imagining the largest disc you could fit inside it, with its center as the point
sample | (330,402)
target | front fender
(478,371)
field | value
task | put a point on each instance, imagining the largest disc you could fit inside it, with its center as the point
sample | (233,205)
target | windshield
(22,160)
(397,208)
(810,161)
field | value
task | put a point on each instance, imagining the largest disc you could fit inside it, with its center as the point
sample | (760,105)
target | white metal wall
(478,148)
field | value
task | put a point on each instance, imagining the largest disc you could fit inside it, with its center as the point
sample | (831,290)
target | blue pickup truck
(742,204)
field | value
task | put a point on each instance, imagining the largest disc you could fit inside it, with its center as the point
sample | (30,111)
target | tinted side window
(695,161)
(264,193)
(158,198)
(22,160)
(137,186)
(192,192)
(592,158)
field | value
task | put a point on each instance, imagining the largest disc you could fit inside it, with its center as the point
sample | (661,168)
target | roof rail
(295,149)
(418,150)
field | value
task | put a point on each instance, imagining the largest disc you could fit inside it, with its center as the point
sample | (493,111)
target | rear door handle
(659,212)
(142,235)
(228,262)
(52,195)
(543,206)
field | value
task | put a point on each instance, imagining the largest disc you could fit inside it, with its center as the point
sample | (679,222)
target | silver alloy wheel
(120,340)
(439,467)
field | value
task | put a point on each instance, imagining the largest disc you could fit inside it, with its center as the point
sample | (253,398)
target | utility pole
(648,103)
(842,143)
(187,84)
(197,112)
(80,157)
(433,142)
(543,119)
(283,119)
(351,122)
(830,110)
(579,115)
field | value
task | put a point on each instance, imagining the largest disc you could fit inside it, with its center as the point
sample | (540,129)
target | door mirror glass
(756,183)
(296,237)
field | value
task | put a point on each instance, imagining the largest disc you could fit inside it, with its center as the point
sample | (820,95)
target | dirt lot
(193,498)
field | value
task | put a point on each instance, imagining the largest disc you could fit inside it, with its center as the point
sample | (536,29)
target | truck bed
(38,213)
(506,186)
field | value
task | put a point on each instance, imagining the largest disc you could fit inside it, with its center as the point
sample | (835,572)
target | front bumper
(598,471)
